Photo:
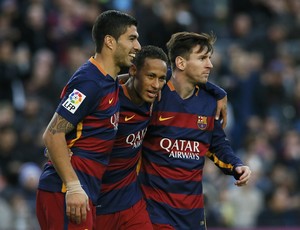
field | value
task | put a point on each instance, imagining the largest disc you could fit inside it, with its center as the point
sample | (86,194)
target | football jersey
(180,134)
(90,102)
(120,189)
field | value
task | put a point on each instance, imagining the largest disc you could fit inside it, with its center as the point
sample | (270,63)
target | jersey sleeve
(78,100)
(221,153)
(216,91)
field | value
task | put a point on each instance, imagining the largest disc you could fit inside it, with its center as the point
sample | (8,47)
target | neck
(134,97)
(108,65)
(183,88)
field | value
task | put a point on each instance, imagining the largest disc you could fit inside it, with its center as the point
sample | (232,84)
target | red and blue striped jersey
(120,189)
(90,102)
(181,133)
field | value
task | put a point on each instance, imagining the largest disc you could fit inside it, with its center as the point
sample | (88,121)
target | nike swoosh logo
(110,100)
(129,118)
(164,118)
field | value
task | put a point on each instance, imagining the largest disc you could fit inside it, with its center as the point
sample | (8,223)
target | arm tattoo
(59,125)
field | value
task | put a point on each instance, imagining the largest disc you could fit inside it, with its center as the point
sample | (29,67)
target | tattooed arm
(55,141)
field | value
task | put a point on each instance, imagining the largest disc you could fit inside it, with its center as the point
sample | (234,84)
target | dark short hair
(182,43)
(113,23)
(149,51)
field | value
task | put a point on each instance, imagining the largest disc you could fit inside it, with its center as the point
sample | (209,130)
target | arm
(221,96)
(54,138)
(224,158)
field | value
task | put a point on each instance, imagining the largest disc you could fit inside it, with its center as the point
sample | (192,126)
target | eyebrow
(133,36)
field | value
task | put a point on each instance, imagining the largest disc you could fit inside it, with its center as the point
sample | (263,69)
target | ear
(109,41)
(132,70)
(180,62)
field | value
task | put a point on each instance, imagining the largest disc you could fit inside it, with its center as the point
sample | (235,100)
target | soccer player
(120,205)
(86,122)
(181,133)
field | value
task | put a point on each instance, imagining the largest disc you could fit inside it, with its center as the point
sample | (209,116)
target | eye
(151,76)
(133,38)
(162,79)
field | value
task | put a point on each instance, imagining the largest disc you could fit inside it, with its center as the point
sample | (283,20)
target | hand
(244,172)
(77,202)
(222,111)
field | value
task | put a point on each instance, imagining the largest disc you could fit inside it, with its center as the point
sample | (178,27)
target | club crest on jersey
(74,101)
(202,122)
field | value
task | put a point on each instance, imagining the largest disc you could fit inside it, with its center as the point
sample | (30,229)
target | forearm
(59,155)
(221,153)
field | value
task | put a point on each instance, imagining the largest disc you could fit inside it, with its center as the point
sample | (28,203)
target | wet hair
(149,51)
(113,23)
(182,43)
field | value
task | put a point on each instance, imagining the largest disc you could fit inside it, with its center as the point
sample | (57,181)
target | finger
(83,213)
(78,216)
(217,116)
(244,177)
(73,214)
(241,183)
(68,211)
(70,153)
(244,180)
(224,117)
(88,205)
(224,121)
(159,95)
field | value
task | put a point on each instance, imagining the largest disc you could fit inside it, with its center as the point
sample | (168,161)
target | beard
(122,58)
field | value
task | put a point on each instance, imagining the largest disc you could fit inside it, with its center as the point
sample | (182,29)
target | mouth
(152,94)
(132,55)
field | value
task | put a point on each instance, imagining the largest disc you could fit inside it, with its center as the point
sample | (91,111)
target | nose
(209,64)
(137,45)
(155,83)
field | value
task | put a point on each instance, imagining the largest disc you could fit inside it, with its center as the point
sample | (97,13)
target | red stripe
(93,121)
(89,167)
(120,184)
(171,173)
(109,100)
(122,163)
(63,92)
(180,201)
(95,145)
(121,142)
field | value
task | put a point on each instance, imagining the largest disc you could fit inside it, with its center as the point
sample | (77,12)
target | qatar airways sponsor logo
(184,149)
(136,139)
(114,120)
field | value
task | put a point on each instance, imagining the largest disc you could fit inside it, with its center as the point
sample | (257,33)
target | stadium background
(256,60)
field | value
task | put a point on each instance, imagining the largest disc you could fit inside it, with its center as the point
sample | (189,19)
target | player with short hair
(120,205)
(181,133)
(86,122)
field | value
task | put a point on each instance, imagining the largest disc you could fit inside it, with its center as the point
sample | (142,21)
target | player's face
(150,79)
(198,66)
(127,46)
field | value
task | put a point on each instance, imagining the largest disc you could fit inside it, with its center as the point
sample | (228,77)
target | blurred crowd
(256,60)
